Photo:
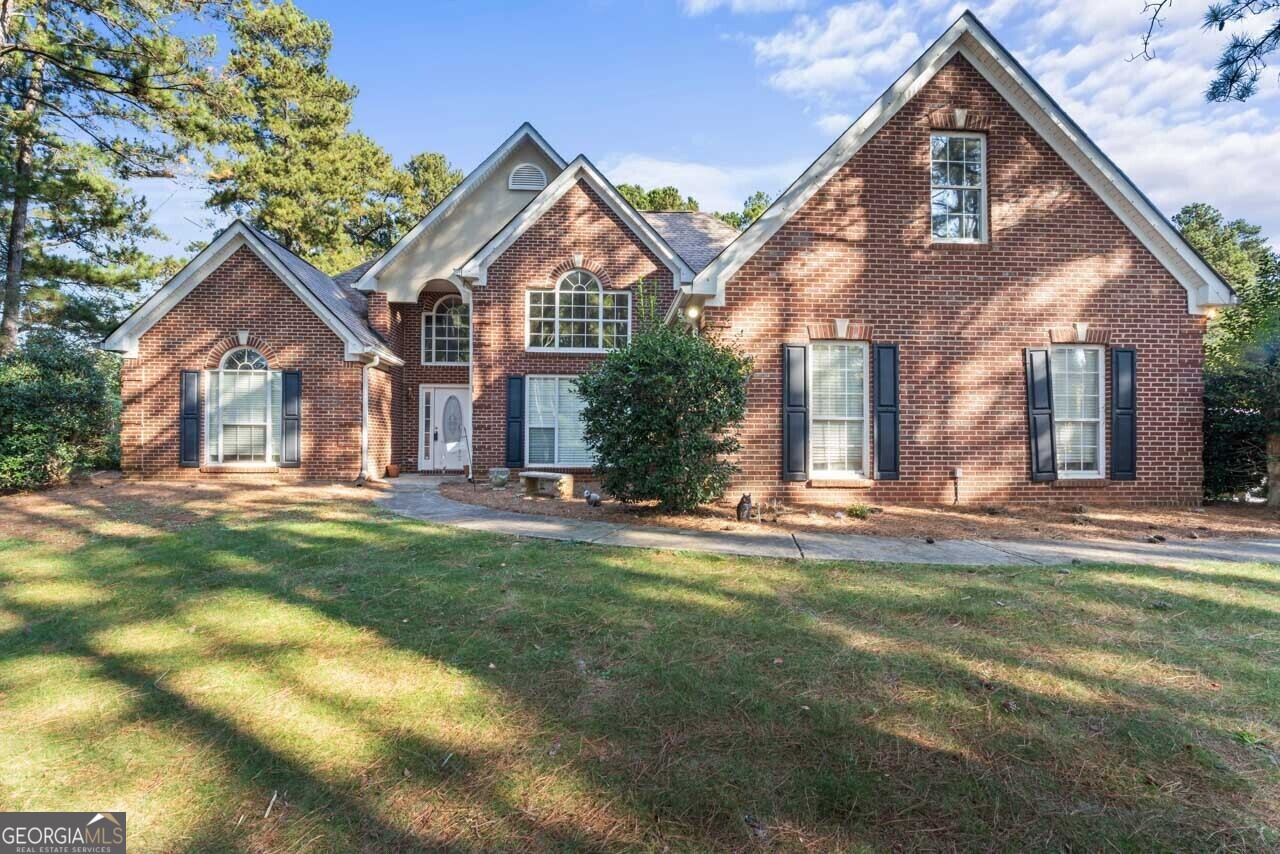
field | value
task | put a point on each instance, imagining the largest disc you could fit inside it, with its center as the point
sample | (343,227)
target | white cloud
(702,7)
(834,124)
(717,188)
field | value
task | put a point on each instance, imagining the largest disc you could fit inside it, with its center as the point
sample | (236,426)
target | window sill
(958,244)
(1079,482)
(570,350)
(239,468)
(444,364)
(841,483)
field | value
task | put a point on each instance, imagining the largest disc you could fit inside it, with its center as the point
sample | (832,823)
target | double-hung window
(958,187)
(243,410)
(838,409)
(1078,381)
(446,332)
(554,424)
(578,315)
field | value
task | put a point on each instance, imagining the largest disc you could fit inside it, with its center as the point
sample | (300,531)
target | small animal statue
(592,498)
(744,508)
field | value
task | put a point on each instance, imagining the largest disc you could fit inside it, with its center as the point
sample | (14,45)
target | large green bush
(59,408)
(661,414)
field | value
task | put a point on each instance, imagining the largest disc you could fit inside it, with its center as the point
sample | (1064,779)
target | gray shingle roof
(350,277)
(348,305)
(696,236)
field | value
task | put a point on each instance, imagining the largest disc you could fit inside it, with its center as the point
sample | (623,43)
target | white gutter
(364,416)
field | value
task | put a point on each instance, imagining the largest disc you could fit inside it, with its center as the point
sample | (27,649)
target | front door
(444,428)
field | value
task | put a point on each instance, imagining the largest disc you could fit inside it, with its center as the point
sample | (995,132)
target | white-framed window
(578,315)
(1079,431)
(838,409)
(958,187)
(527,176)
(446,332)
(243,412)
(553,424)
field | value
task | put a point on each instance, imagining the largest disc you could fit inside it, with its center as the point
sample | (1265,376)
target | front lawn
(293,669)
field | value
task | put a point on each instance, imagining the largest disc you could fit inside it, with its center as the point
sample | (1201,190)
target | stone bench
(562,484)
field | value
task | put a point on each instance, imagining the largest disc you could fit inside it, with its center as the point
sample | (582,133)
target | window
(838,410)
(243,410)
(446,332)
(1077,410)
(957,182)
(554,412)
(578,315)
(527,176)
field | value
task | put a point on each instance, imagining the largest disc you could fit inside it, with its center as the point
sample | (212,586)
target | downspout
(364,417)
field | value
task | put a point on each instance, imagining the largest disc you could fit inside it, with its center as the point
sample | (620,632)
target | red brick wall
(380,423)
(962,314)
(242,293)
(578,223)
(414,374)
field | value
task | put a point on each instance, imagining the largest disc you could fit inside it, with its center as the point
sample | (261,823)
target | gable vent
(527,176)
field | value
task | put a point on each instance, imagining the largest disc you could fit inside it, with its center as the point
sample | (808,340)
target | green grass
(399,685)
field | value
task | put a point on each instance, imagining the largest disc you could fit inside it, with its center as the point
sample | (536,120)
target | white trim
(581,169)
(984,217)
(542,178)
(555,443)
(601,290)
(368,281)
(126,336)
(866,413)
(213,441)
(967,37)
(1101,471)
(422,333)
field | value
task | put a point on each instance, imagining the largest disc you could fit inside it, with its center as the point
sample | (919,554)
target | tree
(59,409)
(661,415)
(755,205)
(657,199)
(106,87)
(292,166)
(1245,54)
(1242,356)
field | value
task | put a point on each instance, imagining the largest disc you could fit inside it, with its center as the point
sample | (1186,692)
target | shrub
(660,415)
(59,408)
(858,510)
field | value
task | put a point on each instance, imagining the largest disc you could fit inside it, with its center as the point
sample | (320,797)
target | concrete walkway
(419,497)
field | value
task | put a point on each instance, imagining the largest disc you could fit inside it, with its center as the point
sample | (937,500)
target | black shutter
(886,379)
(515,422)
(189,421)
(1124,413)
(1044,465)
(795,412)
(291,412)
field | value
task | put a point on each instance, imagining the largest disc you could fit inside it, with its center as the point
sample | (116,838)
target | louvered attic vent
(527,176)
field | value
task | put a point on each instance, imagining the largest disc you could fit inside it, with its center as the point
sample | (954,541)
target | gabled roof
(526,131)
(696,236)
(968,38)
(581,169)
(339,307)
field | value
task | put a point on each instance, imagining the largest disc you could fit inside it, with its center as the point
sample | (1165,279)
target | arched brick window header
(579,262)
(232,342)
(839,330)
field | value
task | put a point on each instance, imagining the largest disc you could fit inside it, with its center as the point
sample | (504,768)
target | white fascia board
(124,339)
(477,268)
(368,281)
(1205,288)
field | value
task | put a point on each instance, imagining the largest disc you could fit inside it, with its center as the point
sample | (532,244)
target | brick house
(962,297)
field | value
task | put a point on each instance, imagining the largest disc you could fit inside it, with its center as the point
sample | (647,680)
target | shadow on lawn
(415,687)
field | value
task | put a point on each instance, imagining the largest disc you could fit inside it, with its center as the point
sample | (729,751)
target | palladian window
(578,315)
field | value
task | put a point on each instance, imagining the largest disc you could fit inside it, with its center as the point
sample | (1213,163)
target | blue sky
(722,97)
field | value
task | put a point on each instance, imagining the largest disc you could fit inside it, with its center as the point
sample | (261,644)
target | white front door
(444,428)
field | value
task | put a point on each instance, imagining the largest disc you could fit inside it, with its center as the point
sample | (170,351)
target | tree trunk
(1273,470)
(24,168)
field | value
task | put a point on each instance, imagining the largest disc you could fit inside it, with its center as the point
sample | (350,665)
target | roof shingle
(696,236)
